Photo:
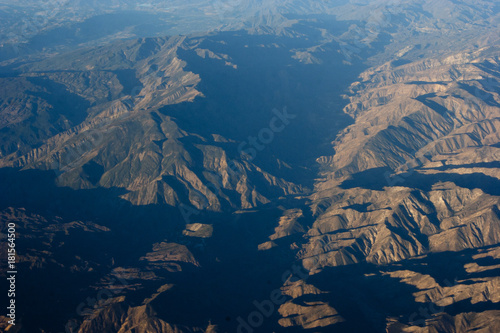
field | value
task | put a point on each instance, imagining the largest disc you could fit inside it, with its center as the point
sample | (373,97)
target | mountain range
(252,166)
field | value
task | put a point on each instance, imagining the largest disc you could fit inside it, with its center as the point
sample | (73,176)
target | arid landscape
(250,166)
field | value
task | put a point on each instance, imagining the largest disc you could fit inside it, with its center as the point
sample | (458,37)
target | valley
(306,168)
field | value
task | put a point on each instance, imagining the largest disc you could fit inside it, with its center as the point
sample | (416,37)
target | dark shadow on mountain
(233,272)
(466,306)
(229,260)
(267,78)
(426,100)
(489,165)
(486,93)
(356,290)
(374,179)
(64,103)
(128,79)
(133,230)
(37,192)
(378,178)
(53,109)
(443,83)
(93,172)
(363,297)
(362,208)
(487,184)
(400,62)
(496,145)
(444,267)
(235,275)
(8,71)
(487,67)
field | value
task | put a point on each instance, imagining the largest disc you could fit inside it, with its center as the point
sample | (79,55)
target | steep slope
(415,174)
(161,184)
(127,142)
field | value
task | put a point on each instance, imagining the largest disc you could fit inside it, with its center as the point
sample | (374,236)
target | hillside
(296,166)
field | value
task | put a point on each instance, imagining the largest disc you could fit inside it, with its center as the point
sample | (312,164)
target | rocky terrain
(304,167)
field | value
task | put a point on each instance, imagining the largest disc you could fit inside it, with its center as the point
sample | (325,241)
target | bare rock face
(124,140)
(288,224)
(465,322)
(165,253)
(375,207)
(127,319)
(398,223)
(198,230)
(306,314)
(418,111)
(422,141)
(310,315)
(415,174)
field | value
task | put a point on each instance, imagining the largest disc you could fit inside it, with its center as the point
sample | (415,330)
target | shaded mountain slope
(374,208)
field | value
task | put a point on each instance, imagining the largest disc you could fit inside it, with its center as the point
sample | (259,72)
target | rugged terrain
(305,166)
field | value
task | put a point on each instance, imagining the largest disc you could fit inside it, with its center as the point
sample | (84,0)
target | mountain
(271,166)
